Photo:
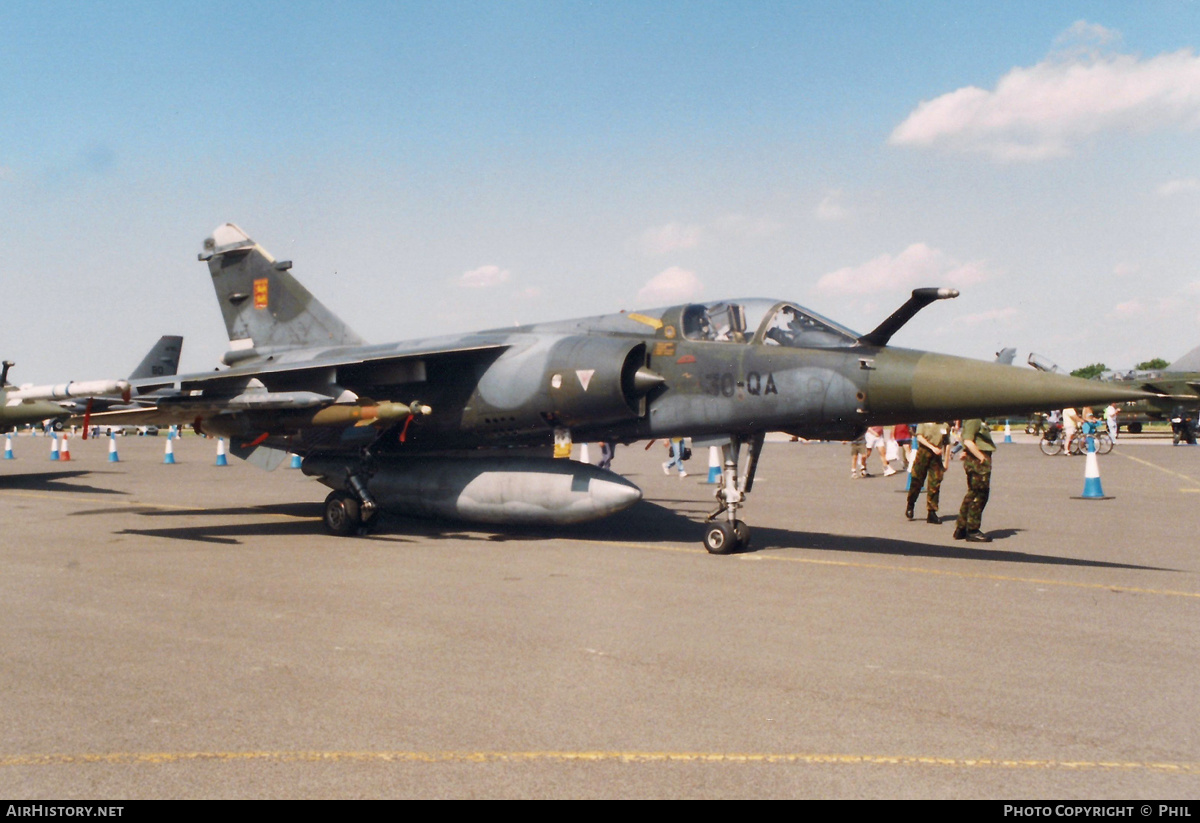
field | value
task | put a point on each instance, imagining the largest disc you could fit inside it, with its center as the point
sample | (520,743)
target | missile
(64,391)
(508,490)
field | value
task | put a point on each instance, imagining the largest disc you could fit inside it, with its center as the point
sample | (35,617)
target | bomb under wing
(300,380)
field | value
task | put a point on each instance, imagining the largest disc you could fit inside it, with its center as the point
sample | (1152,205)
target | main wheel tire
(720,538)
(342,515)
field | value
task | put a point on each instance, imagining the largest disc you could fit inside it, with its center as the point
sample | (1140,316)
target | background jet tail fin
(1189,362)
(162,360)
(263,305)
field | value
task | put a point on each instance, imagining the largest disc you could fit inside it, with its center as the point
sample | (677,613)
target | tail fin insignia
(282,314)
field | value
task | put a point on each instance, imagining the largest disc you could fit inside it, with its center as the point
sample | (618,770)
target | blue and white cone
(1091,474)
(584,456)
(8,455)
(295,464)
(112,448)
(169,453)
(1007,432)
(54,446)
(714,464)
(222,460)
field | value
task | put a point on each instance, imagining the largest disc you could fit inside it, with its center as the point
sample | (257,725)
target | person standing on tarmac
(976,455)
(932,453)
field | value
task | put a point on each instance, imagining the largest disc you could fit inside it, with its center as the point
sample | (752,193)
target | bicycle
(1078,444)
(1051,442)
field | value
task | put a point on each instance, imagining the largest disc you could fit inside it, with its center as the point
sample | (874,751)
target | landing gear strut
(723,532)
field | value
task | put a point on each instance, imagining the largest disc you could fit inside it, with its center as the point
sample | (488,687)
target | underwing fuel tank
(505,490)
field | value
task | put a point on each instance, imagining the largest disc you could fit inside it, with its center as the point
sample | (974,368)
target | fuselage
(735,367)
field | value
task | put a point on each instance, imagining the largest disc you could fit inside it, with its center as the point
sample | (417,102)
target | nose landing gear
(724,533)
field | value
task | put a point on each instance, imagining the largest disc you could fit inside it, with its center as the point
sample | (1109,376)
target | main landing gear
(350,512)
(723,532)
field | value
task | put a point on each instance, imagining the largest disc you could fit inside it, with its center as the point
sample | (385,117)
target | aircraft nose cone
(912,385)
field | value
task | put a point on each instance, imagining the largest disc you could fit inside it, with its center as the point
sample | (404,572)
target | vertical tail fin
(264,307)
(162,360)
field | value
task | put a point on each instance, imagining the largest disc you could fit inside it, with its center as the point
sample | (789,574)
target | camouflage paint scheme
(733,369)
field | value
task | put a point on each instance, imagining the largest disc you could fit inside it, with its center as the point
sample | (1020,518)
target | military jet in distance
(35,404)
(161,361)
(1177,388)
(461,426)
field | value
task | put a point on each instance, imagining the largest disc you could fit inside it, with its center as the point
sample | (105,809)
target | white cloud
(678,236)
(1083,36)
(1158,308)
(671,237)
(830,208)
(1043,110)
(1125,270)
(918,265)
(674,285)
(484,277)
(1180,186)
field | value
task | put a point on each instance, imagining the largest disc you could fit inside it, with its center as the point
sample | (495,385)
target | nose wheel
(722,538)
(724,533)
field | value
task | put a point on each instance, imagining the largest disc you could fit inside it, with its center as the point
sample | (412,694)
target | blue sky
(442,167)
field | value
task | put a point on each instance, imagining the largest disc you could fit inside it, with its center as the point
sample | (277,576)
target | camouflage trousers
(979,482)
(927,465)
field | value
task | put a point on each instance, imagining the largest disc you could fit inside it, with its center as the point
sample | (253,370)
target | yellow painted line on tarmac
(922,570)
(1195,488)
(801,758)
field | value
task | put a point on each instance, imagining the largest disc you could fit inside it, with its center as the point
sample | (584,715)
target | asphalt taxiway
(188,630)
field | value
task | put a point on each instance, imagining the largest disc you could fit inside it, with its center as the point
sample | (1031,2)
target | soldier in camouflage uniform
(978,449)
(932,441)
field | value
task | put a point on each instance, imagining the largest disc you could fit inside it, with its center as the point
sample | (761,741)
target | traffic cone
(169,453)
(714,464)
(222,460)
(8,454)
(1007,432)
(113,457)
(1092,490)
(54,446)
(64,452)
(584,457)
(295,464)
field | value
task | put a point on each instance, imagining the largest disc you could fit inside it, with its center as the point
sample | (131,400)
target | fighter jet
(141,390)
(35,404)
(1177,390)
(461,426)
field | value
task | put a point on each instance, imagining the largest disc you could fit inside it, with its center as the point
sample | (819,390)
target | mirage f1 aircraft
(460,427)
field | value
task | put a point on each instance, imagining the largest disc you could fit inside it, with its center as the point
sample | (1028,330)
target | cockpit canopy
(765,322)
